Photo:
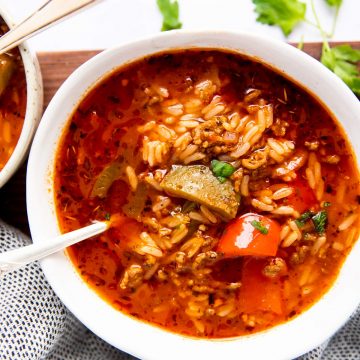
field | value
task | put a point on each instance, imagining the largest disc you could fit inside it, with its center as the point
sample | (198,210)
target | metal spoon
(48,14)
(14,259)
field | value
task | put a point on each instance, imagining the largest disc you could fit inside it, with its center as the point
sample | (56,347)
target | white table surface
(111,22)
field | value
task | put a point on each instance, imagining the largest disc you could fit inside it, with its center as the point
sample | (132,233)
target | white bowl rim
(34,105)
(281,342)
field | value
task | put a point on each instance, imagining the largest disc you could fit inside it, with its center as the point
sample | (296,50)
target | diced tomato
(258,293)
(242,238)
(303,197)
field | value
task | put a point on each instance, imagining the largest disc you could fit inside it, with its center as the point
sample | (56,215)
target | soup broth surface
(12,100)
(233,194)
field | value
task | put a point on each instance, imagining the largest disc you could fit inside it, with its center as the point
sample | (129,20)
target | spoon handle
(17,258)
(49,13)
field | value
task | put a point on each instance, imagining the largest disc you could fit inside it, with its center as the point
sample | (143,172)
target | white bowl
(34,106)
(141,339)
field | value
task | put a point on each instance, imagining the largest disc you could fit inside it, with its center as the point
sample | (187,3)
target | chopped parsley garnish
(221,170)
(300,221)
(326,204)
(258,226)
(170,12)
(107,216)
(284,13)
(320,220)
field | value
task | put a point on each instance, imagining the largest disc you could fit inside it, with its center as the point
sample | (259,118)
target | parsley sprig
(287,14)
(342,60)
(334,2)
(170,12)
(284,13)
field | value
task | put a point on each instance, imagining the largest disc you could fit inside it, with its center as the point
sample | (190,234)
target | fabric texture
(35,325)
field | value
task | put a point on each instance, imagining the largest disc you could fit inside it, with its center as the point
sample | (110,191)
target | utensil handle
(50,12)
(17,258)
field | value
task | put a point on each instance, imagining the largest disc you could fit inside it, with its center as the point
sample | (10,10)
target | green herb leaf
(326,204)
(347,53)
(170,12)
(284,13)
(258,226)
(336,3)
(342,60)
(300,221)
(107,216)
(221,170)
(320,220)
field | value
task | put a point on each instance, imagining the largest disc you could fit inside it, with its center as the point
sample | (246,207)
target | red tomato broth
(13,99)
(104,129)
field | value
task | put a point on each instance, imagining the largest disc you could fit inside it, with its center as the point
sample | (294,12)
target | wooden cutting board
(56,67)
